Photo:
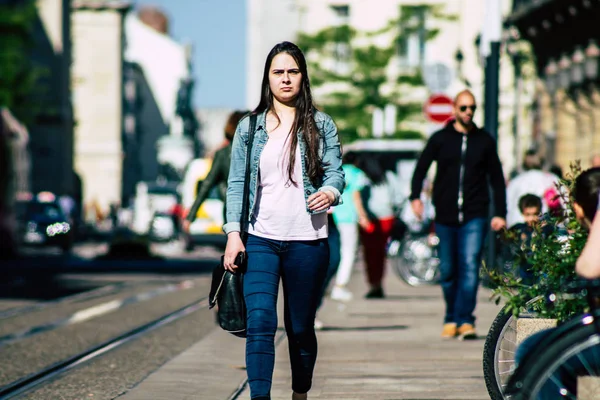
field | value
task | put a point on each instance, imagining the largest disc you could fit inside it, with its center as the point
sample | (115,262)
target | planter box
(588,388)
(528,326)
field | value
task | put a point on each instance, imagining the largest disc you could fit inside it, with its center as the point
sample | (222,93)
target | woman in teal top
(346,220)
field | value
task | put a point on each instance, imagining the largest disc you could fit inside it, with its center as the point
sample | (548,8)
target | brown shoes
(449,330)
(464,332)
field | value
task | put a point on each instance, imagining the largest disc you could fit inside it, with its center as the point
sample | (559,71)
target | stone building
(564,39)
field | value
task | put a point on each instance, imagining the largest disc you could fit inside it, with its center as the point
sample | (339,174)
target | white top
(382,197)
(280,212)
(535,182)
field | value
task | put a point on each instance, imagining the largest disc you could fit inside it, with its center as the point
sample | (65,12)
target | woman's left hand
(320,201)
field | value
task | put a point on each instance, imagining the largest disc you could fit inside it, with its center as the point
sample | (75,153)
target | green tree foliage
(355,75)
(552,261)
(19,75)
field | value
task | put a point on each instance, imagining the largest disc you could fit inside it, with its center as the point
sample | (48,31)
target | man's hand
(498,223)
(417,207)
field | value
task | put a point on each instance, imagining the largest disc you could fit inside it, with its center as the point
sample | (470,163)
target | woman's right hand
(234,246)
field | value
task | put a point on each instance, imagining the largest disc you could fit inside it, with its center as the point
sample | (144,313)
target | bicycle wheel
(554,375)
(499,351)
(415,261)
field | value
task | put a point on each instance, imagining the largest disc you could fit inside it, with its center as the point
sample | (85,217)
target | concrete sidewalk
(369,349)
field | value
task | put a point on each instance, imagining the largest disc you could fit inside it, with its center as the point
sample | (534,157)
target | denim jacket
(329,151)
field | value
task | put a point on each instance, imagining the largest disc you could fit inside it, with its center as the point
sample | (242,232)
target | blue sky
(217,29)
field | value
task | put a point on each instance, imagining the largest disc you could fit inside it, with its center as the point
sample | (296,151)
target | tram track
(54,371)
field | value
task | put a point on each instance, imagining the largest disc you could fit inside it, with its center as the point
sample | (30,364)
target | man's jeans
(302,266)
(460,258)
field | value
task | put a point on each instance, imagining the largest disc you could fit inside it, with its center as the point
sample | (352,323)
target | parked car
(41,222)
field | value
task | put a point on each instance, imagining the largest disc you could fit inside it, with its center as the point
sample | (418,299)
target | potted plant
(551,258)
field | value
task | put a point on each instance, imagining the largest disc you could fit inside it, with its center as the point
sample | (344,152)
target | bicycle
(554,365)
(414,258)
(499,349)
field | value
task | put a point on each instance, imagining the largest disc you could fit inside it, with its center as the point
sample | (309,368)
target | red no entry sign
(438,108)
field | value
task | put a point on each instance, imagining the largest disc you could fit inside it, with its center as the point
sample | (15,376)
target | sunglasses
(464,108)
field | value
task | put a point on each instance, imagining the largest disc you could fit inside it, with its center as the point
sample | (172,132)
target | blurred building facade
(455,47)
(51,143)
(97,76)
(212,122)
(160,124)
(132,92)
(564,38)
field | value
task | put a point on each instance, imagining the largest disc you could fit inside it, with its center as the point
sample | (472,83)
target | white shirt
(280,212)
(535,182)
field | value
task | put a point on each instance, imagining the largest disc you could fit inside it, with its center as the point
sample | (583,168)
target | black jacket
(479,163)
(219,172)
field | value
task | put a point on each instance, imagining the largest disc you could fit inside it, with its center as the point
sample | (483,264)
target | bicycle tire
(490,353)
(415,272)
(497,364)
(539,369)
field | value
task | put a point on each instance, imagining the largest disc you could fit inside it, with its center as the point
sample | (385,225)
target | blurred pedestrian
(296,175)
(466,157)
(333,241)
(375,205)
(556,170)
(219,172)
(531,181)
(530,207)
(346,220)
(595,160)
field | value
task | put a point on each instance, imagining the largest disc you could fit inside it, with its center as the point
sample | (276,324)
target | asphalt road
(45,318)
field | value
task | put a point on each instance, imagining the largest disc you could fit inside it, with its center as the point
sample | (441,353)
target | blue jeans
(302,266)
(460,258)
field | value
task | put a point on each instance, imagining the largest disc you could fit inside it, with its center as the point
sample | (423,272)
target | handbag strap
(246,194)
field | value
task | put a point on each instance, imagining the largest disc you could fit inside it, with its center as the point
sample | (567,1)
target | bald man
(466,158)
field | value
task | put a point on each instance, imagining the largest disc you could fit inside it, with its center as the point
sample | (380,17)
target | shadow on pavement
(364,328)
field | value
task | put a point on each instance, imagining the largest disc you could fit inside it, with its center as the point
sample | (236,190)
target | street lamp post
(491,37)
(512,48)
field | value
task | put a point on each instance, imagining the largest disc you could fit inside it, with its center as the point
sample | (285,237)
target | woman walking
(295,176)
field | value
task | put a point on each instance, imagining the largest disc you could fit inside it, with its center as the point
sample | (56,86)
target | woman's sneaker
(340,293)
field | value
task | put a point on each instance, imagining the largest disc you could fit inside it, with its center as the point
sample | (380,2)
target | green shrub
(552,263)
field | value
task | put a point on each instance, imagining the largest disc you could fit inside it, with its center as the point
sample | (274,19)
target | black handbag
(227,289)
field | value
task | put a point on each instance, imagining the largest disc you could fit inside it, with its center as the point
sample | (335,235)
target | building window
(412,35)
(341,50)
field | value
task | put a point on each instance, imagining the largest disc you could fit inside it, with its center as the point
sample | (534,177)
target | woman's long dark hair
(586,191)
(304,120)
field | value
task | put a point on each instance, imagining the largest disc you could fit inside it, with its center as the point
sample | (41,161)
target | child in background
(530,207)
